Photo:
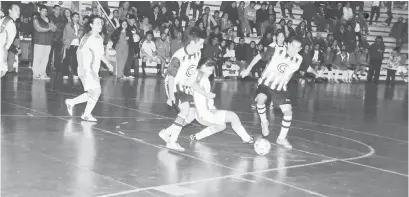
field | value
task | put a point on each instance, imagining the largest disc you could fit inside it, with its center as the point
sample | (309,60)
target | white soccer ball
(262,146)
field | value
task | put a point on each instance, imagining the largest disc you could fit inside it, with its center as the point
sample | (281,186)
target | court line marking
(67,163)
(348,160)
(330,126)
(98,117)
(361,132)
(197,158)
(354,158)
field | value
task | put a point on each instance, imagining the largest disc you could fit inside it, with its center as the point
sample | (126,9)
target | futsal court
(348,139)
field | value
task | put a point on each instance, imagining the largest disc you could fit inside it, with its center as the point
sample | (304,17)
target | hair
(149,33)
(41,7)
(252,2)
(216,12)
(73,14)
(242,38)
(87,26)
(193,33)
(56,6)
(295,39)
(115,11)
(206,62)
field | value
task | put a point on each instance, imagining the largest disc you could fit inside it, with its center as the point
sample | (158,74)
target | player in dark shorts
(281,66)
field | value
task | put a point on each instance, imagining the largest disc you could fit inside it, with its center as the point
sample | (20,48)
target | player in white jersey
(90,53)
(208,115)
(7,34)
(180,82)
(273,83)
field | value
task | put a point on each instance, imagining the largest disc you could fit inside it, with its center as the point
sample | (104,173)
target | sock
(208,131)
(241,131)
(261,110)
(285,126)
(158,66)
(80,99)
(143,67)
(175,129)
(90,106)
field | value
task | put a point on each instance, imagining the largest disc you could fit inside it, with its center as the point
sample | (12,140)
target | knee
(287,111)
(94,93)
(220,127)
(261,99)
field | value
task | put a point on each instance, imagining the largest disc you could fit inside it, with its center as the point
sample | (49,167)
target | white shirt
(92,50)
(230,53)
(376,3)
(76,41)
(347,13)
(149,48)
(315,58)
(117,23)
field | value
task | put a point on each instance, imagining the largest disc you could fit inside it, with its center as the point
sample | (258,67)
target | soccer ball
(262,146)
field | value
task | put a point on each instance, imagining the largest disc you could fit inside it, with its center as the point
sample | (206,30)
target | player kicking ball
(273,83)
(89,54)
(206,112)
(180,83)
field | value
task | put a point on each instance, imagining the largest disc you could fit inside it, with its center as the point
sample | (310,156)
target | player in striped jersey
(180,82)
(273,83)
(208,115)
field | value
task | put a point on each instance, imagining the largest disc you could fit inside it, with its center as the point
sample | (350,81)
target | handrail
(105,14)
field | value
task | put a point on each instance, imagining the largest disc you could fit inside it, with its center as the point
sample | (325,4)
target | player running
(273,83)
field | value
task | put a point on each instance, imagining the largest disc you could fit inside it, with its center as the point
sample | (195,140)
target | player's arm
(266,56)
(171,74)
(11,34)
(196,87)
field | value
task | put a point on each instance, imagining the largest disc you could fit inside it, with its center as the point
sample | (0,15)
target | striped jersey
(279,64)
(183,67)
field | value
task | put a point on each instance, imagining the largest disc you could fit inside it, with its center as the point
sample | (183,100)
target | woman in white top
(90,53)
(347,12)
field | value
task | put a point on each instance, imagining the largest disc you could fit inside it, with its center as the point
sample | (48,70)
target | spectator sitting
(347,13)
(162,52)
(148,51)
(291,32)
(250,17)
(393,63)
(328,59)
(241,53)
(230,65)
(301,30)
(362,61)
(251,52)
(216,34)
(176,43)
(345,63)
(308,40)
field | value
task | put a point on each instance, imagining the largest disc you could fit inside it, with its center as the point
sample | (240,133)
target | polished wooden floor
(349,140)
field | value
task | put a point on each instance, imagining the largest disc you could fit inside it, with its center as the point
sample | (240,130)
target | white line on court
(368,154)
(206,161)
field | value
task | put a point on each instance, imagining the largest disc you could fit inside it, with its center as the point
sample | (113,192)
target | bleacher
(376,29)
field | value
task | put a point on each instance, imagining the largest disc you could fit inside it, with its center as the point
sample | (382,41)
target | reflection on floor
(349,140)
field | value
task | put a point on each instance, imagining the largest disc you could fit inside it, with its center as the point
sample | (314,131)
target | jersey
(183,67)
(279,64)
(7,34)
(90,52)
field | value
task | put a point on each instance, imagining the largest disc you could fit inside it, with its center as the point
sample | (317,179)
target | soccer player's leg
(237,127)
(262,95)
(286,108)
(93,96)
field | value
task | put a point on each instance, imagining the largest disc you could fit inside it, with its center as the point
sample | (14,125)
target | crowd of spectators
(152,32)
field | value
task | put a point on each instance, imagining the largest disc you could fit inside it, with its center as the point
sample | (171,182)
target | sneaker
(75,77)
(165,137)
(251,141)
(193,137)
(131,77)
(69,106)
(284,142)
(45,77)
(174,146)
(65,77)
(264,128)
(89,118)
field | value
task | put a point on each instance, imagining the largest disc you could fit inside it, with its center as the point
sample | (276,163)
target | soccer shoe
(264,128)
(165,137)
(284,142)
(69,106)
(251,141)
(89,118)
(174,146)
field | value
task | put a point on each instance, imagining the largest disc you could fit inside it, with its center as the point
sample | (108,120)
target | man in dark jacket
(375,60)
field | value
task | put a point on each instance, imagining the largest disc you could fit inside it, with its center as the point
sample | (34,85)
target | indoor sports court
(348,140)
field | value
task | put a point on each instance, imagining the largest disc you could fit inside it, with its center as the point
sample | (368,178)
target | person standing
(56,52)
(8,32)
(375,60)
(71,37)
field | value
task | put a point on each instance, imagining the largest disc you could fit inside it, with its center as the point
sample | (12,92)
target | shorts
(180,97)
(90,83)
(277,97)
(210,119)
